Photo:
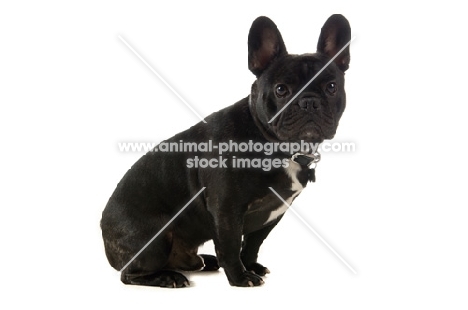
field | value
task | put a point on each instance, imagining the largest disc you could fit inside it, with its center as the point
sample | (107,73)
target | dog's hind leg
(162,278)
(151,268)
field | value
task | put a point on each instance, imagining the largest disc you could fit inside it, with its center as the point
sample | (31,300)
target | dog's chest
(264,211)
(296,187)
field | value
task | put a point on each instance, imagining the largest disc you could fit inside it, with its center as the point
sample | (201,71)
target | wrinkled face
(314,114)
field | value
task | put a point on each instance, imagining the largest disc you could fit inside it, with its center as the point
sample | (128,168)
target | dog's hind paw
(164,278)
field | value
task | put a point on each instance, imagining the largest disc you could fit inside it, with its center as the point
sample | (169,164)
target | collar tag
(306,159)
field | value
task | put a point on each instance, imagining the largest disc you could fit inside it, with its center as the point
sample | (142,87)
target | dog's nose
(309,103)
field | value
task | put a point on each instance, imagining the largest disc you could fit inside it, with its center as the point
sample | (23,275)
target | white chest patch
(296,187)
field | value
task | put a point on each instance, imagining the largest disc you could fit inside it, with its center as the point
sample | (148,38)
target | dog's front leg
(228,241)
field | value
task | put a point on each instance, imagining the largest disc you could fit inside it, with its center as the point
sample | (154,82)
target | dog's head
(315,109)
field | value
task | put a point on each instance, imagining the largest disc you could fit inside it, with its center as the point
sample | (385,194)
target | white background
(395,209)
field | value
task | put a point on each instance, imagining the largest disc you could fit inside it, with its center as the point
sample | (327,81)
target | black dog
(237,210)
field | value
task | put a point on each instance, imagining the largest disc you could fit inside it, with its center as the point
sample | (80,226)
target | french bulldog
(236,207)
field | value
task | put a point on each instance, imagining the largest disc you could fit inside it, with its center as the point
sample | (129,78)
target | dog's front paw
(247,279)
(258,269)
(210,262)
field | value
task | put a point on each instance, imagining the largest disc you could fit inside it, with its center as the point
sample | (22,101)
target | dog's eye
(331,87)
(281,90)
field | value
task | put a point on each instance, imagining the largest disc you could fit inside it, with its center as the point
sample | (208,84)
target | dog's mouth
(295,124)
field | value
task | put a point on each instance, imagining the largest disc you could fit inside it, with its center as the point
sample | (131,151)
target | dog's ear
(335,34)
(265,44)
